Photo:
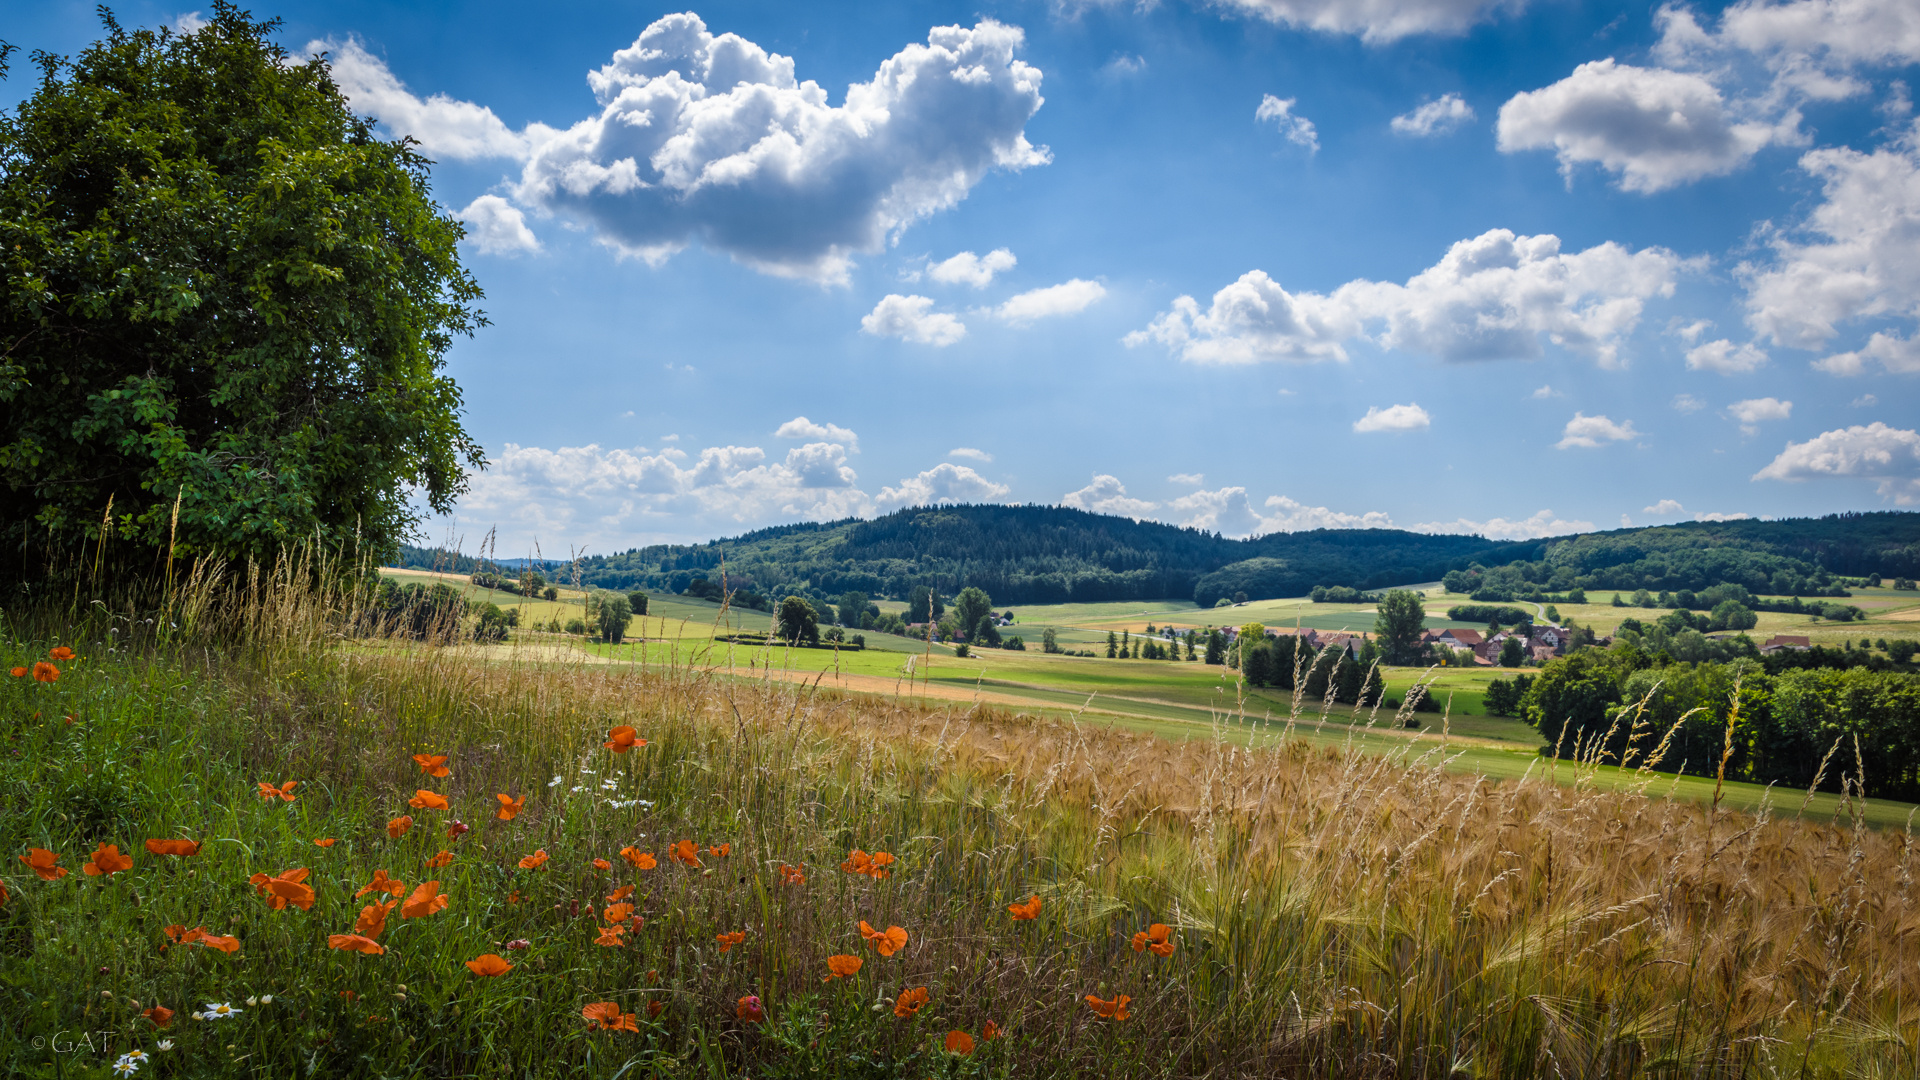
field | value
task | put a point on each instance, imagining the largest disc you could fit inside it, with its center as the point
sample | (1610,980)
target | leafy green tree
(985,632)
(1113,645)
(970,607)
(1399,622)
(797,622)
(923,605)
(225,308)
(1216,647)
(490,623)
(1512,654)
(638,602)
(1733,615)
(611,614)
(1049,641)
(852,608)
(550,593)
(1578,690)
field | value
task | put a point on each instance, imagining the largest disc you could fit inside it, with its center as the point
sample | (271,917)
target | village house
(1786,641)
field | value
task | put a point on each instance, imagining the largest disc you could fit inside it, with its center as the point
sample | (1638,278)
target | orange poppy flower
(728,941)
(791,875)
(1028,910)
(160,1015)
(4,894)
(509,807)
(456,829)
(959,1042)
(989,1031)
(843,967)
(60,652)
(42,861)
(284,792)
(424,901)
(606,1015)
(534,861)
(722,851)
(373,919)
(642,860)
(19,673)
(427,800)
(1111,1010)
(45,672)
(514,897)
(686,851)
(173,847)
(602,864)
(610,935)
(381,883)
(327,842)
(489,965)
(355,943)
(285,888)
(432,764)
(885,942)
(620,893)
(748,1008)
(398,827)
(623,738)
(444,858)
(874,865)
(1158,937)
(617,912)
(910,1001)
(106,860)
(199,936)
(654,1009)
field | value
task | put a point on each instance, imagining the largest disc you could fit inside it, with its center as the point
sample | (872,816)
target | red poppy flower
(373,919)
(606,1015)
(535,861)
(199,936)
(602,864)
(1111,1010)
(398,827)
(45,672)
(490,965)
(610,935)
(1158,937)
(444,858)
(173,847)
(286,887)
(686,851)
(1028,910)
(355,943)
(885,942)
(160,1015)
(791,875)
(60,652)
(381,883)
(843,967)
(432,764)
(728,941)
(642,860)
(959,1042)
(620,893)
(326,842)
(910,1001)
(284,792)
(654,1009)
(424,901)
(509,807)
(748,1009)
(722,851)
(617,913)
(989,1031)
(457,829)
(623,738)
(19,673)
(427,800)
(42,862)
(106,860)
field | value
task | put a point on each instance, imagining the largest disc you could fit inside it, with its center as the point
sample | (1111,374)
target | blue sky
(1516,268)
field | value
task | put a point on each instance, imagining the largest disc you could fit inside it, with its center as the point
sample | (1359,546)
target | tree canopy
(1398,624)
(225,308)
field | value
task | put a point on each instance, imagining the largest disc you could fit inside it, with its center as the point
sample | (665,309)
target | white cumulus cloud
(1591,431)
(1870,452)
(1287,515)
(1715,515)
(1755,410)
(1687,403)
(1663,508)
(1377,21)
(1893,352)
(1191,478)
(712,138)
(1495,296)
(1652,127)
(497,227)
(967,268)
(1725,358)
(802,428)
(944,483)
(189,22)
(1543,523)
(1298,129)
(1439,117)
(970,452)
(909,319)
(1066,298)
(1107,495)
(1226,511)
(1409,417)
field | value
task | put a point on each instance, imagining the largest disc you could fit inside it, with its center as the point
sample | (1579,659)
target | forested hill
(1051,554)
(1042,554)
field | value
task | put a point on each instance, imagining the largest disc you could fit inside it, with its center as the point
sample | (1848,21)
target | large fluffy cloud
(1495,296)
(967,268)
(1107,495)
(497,227)
(712,138)
(1593,431)
(911,318)
(1870,452)
(802,428)
(1651,127)
(1726,358)
(944,483)
(1861,257)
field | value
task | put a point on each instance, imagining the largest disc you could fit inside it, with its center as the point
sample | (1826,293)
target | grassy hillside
(1051,555)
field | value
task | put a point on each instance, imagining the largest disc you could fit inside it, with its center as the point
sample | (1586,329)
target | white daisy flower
(123,1067)
(253,1001)
(134,1055)
(556,781)
(266,999)
(163,1045)
(221,1011)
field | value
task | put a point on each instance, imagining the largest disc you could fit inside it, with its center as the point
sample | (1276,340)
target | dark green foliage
(970,608)
(1512,654)
(1113,645)
(1337,594)
(490,623)
(797,622)
(1400,620)
(612,614)
(223,293)
(924,605)
(637,601)
(1216,647)
(1481,613)
(423,612)
(1504,696)
(1049,641)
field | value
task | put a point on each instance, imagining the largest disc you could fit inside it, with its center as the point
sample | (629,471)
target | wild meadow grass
(1330,913)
